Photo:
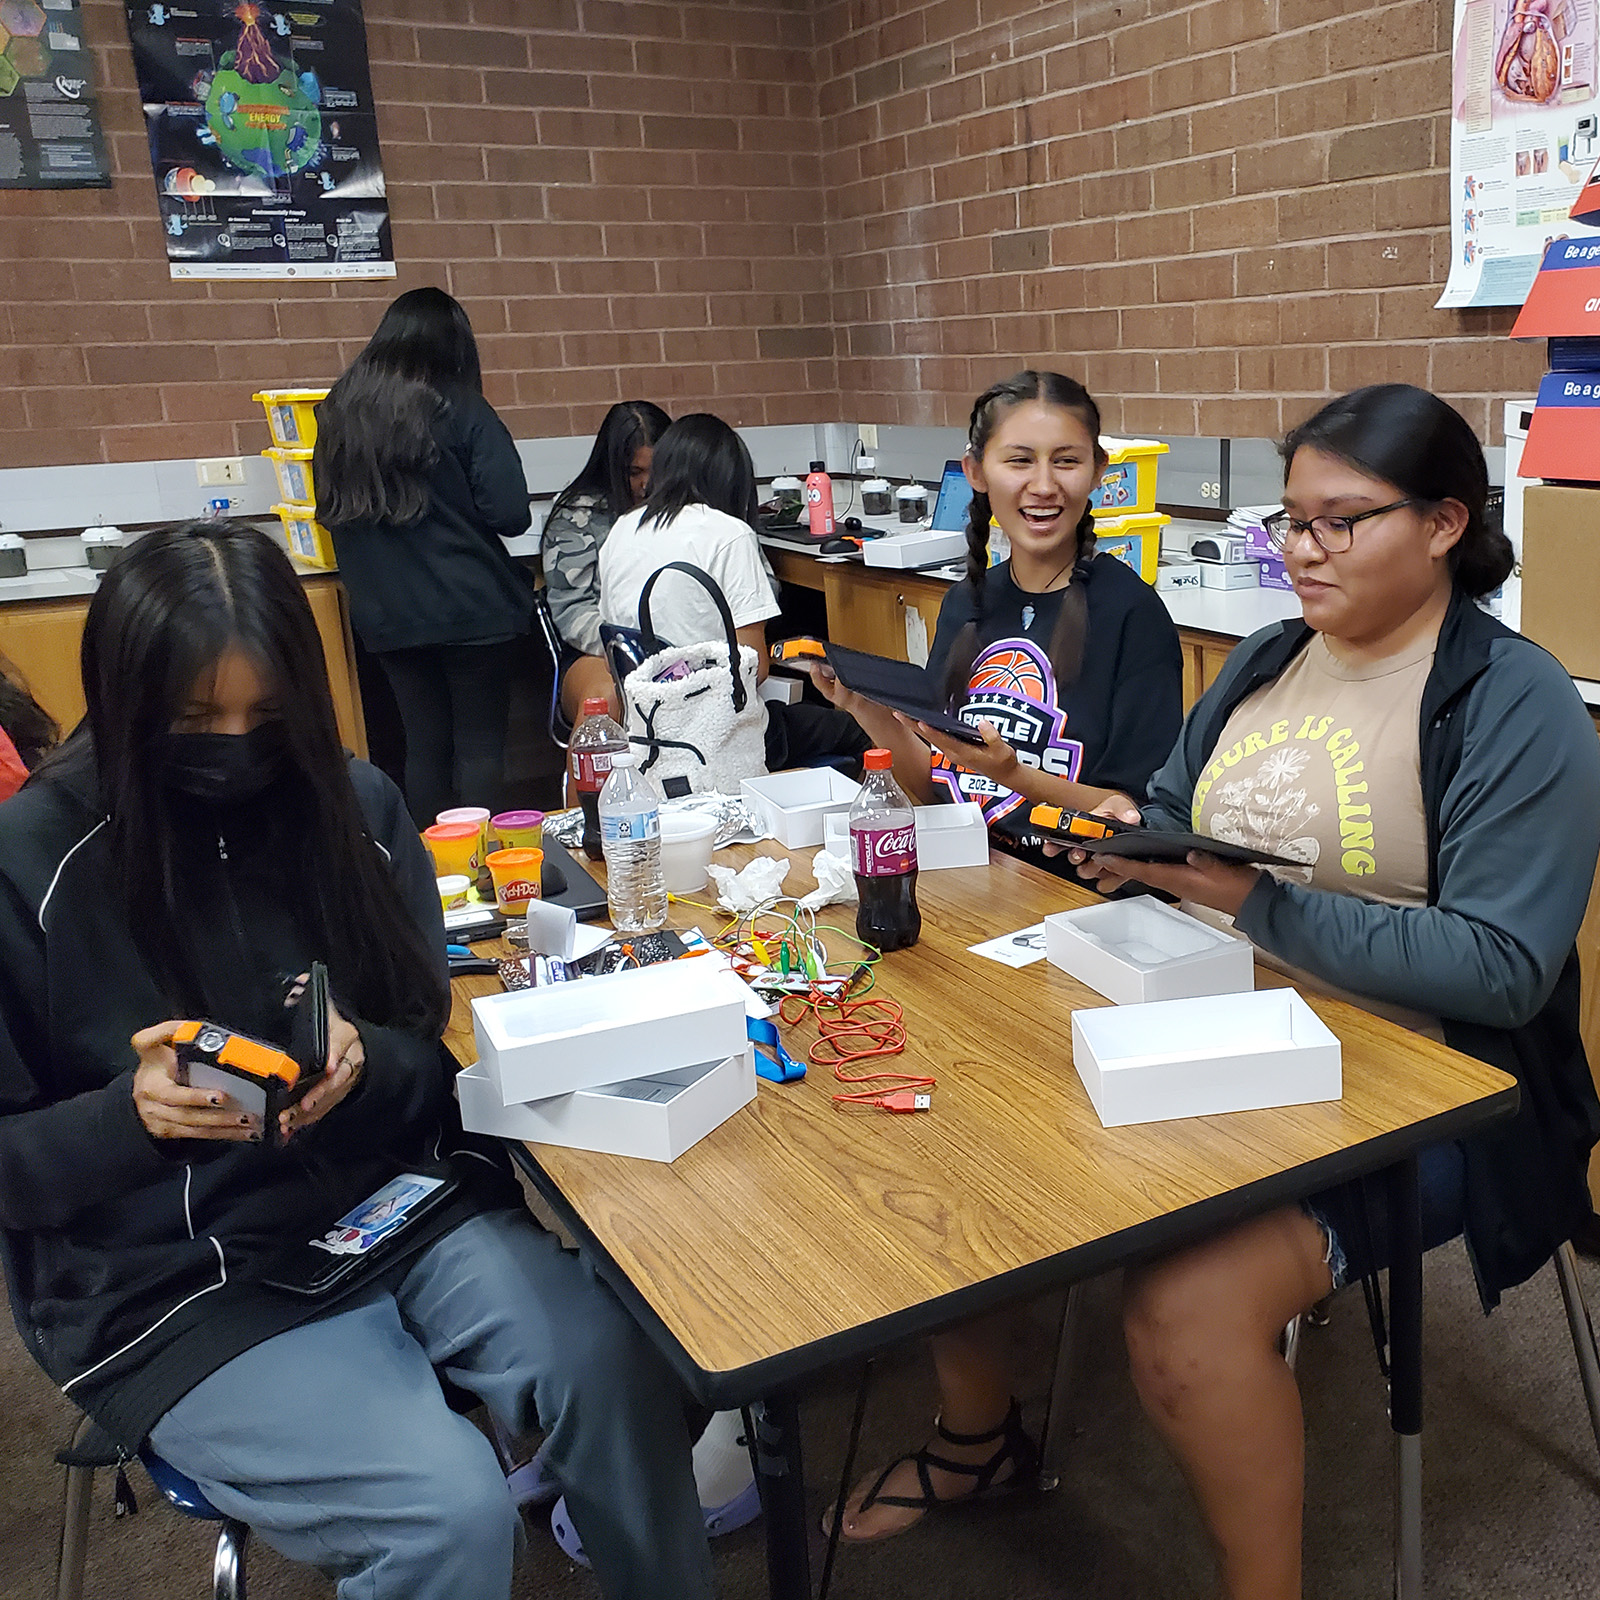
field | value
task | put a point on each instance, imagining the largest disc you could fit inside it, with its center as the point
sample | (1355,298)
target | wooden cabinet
(1203,656)
(41,637)
(868,610)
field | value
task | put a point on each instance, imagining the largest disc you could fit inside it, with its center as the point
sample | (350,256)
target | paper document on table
(1020,949)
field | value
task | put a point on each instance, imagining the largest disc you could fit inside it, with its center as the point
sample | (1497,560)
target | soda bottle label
(884,852)
(630,827)
(591,768)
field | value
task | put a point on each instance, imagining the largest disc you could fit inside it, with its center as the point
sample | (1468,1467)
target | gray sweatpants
(334,1443)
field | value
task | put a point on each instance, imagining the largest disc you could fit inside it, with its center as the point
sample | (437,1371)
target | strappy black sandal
(1015,1448)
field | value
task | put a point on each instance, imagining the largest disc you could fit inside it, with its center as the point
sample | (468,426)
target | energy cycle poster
(1523,138)
(264,138)
(49,121)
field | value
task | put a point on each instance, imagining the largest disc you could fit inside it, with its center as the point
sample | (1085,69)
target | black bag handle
(652,643)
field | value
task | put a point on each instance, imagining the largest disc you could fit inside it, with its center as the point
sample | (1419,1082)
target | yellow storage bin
(293,466)
(290,414)
(1134,539)
(1129,482)
(307,538)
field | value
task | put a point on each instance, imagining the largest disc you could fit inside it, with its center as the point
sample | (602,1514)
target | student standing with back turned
(419,483)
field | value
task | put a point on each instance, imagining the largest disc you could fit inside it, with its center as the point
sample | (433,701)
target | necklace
(1028,612)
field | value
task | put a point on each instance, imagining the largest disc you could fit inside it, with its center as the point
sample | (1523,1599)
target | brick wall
(625,197)
(794,210)
(1216,211)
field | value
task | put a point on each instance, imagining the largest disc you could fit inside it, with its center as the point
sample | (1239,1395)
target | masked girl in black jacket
(193,849)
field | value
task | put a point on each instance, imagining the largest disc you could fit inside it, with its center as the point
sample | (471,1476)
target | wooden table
(798,1235)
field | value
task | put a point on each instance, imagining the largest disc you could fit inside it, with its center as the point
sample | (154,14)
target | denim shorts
(1355,1220)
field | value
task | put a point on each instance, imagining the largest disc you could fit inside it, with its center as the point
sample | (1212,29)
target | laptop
(955,496)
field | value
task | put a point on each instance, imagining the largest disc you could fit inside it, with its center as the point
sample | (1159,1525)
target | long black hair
(375,440)
(28,725)
(175,603)
(1070,634)
(1414,440)
(629,426)
(700,460)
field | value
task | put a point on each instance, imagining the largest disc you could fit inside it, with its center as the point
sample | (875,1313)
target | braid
(978,543)
(1086,535)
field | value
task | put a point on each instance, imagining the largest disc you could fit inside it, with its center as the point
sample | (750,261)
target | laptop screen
(955,495)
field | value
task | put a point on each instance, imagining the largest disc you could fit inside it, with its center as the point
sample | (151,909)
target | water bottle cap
(596,706)
(819,466)
(624,758)
(877,761)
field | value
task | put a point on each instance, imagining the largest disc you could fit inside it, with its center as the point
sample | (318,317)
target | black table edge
(1159,1236)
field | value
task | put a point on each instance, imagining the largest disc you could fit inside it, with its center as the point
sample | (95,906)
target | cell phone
(1106,836)
(787,650)
(363,1236)
(259,1077)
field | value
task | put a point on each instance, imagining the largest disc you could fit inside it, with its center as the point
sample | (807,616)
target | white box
(790,806)
(1198,1058)
(655,1118)
(534,1043)
(922,547)
(1229,574)
(947,836)
(1132,951)
(1171,575)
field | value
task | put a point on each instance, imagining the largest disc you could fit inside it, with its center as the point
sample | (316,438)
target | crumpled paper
(757,883)
(836,882)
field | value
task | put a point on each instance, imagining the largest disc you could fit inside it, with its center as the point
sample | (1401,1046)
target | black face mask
(225,767)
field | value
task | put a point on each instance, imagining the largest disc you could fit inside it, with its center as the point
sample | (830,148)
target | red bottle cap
(877,761)
(596,706)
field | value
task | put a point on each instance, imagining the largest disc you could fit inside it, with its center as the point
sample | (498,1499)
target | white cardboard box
(915,549)
(1197,1058)
(1137,950)
(655,1118)
(1229,574)
(534,1043)
(947,836)
(791,806)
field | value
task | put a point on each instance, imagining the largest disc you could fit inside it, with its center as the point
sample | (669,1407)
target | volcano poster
(263,138)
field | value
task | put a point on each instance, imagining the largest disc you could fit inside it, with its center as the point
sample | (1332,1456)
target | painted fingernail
(255,1138)
(216,1099)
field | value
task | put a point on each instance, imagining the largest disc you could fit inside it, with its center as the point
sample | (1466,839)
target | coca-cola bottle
(883,848)
(594,741)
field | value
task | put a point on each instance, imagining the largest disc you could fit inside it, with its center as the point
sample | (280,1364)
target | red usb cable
(860,1030)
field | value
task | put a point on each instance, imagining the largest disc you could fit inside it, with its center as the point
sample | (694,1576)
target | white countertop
(1233,613)
(53,583)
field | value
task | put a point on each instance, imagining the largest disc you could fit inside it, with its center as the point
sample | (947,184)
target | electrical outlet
(869,435)
(220,470)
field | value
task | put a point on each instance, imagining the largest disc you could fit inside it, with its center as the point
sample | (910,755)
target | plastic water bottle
(883,849)
(630,835)
(594,742)
(819,501)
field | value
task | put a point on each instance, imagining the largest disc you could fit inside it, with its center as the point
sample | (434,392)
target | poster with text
(1523,138)
(49,121)
(264,138)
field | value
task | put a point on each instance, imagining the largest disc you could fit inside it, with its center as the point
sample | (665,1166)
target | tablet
(900,686)
(1104,836)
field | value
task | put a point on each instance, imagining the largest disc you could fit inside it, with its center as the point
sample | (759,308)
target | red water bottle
(819,501)
(595,740)
(883,849)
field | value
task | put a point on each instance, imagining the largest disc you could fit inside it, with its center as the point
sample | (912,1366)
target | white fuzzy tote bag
(693,712)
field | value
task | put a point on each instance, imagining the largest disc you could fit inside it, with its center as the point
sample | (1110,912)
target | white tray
(655,1118)
(947,836)
(534,1043)
(791,806)
(1141,949)
(1197,1058)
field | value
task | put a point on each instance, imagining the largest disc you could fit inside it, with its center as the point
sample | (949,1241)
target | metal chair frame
(560,729)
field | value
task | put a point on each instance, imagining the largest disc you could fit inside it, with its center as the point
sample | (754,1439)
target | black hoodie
(132,1262)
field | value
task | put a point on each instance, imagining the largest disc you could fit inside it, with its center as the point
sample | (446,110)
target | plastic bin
(1129,481)
(291,414)
(293,466)
(1135,540)
(308,539)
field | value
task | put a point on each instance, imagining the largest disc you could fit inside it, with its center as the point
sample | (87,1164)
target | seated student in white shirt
(701,509)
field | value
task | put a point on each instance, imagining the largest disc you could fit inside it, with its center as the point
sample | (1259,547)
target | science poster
(1524,136)
(264,138)
(49,122)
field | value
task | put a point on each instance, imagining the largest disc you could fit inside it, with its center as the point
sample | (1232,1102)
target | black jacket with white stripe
(133,1263)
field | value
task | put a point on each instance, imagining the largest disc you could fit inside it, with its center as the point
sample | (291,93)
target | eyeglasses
(1334,534)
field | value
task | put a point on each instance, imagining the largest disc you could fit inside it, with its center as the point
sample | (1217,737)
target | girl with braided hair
(1065,661)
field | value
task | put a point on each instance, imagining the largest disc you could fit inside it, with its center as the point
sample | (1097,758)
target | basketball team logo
(1012,685)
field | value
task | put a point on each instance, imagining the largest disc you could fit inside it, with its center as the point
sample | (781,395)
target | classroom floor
(1512,1479)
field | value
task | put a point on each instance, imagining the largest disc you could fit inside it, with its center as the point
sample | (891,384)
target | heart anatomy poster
(263,137)
(1524,137)
(49,120)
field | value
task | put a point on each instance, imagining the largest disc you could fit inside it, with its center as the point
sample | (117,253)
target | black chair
(560,728)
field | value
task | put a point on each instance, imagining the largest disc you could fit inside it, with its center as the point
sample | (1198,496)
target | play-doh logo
(1013,685)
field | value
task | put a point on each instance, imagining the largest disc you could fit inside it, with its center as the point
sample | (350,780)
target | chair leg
(227,1569)
(74,1533)
(1053,1436)
(1582,1326)
(1290,1341)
